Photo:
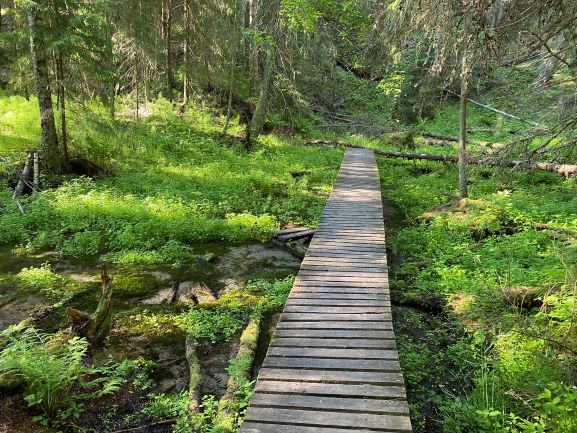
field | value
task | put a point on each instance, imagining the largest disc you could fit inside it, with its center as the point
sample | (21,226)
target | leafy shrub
(51,369)
(46,282)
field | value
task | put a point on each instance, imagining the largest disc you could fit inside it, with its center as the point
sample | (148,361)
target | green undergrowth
(503,265)
(213,321)
(175,181)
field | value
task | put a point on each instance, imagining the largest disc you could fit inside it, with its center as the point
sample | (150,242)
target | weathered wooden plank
(312,352)
(331,309)
(329,389)
(255,427)
(340,296)
(333,333)
(329,419)
(361,405)
(328,376)
(337,302)
(333,364)
(334,323)
(320,317)
(334,343)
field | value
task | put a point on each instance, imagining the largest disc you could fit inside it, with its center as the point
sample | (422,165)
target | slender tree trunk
(62,103)
(463,138)
(110,54)
(239,20)
(465,74)
(257,121)
(167,31)
(187,27)
(253,52)
(51,153)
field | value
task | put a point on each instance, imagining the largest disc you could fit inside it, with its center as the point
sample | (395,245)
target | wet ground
(141,290)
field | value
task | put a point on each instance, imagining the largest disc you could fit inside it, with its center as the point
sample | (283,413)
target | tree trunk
(253,51)
(51,153)
(463,139)
(239,21)
(187,27)
(167,31)
(110,54)
(62,103)
(257,121)
(465,74)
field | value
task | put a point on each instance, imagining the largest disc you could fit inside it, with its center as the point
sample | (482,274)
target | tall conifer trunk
(51,156)
(187,28)
(167,32)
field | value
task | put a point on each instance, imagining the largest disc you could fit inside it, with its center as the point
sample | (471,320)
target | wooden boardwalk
(332,365)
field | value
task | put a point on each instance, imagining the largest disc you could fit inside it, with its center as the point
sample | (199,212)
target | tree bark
(49,143)
(258,117)
(110,54)
(463,138)
(62,103)
(187,28)
(239,21)
(252,57)
(465,74)
(167,31)
(24,177)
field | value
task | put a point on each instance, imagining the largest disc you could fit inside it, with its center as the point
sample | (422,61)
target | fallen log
(494,110)
(440,136)
(564,169)
(239,373)
(195,378)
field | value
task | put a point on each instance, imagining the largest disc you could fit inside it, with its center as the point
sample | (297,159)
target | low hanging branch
(564,169)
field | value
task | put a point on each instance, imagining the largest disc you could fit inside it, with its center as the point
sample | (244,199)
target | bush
(50,367)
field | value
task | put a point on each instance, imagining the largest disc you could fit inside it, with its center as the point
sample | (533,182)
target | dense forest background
(170,139)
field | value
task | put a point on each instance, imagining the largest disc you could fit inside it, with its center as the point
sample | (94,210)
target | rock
(191,292)
(163,296)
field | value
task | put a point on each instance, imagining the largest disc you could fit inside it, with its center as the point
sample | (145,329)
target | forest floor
(484,288)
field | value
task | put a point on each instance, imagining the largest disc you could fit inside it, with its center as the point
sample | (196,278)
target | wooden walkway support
(332,366)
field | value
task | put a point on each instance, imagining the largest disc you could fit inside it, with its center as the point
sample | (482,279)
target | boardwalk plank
(332,364)
(331,403)
(329,419)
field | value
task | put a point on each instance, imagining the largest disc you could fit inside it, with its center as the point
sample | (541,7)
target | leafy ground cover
(500,267)
(175,181)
